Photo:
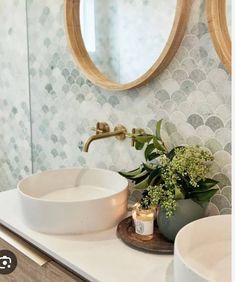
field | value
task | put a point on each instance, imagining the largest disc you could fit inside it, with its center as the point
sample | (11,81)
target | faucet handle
(98,131)
(102,127)
(136,131)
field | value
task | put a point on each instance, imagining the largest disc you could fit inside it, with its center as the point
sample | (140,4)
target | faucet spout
(119,132)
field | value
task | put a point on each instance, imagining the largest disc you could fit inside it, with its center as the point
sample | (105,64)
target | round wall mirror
(121,44)
(219,22)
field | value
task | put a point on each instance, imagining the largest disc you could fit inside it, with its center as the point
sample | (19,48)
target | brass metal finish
(103,131)
(25,248)
(120,128)
(102,127)
(137,131)
(32,264)
(132,138)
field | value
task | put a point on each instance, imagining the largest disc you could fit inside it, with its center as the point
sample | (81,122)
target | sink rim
(113,194)
(179,236)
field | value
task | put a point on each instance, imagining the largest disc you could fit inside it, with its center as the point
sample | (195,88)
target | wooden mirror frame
(72,23)
(217,24)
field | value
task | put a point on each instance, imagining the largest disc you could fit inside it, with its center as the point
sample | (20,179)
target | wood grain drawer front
(57,273)
(32,265)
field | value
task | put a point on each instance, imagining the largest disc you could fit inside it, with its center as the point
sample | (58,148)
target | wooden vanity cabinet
(32,264)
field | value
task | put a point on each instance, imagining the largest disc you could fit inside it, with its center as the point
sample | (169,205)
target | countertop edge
(54,256)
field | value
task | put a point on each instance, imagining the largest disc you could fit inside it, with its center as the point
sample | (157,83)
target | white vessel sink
(73,201)
(203,250)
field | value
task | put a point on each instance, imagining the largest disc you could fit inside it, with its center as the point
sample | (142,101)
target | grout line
(29,89)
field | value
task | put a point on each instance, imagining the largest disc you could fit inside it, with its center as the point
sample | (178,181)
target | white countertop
(97,256)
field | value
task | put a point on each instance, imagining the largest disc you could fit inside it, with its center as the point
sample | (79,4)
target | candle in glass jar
(144,222)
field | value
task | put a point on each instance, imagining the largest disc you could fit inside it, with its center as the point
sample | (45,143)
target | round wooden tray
(158,244)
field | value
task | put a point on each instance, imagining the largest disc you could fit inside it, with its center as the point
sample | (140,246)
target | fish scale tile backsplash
(15,151)
(192,95)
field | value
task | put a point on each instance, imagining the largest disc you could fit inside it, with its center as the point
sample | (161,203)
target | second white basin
(203,251)
(73,201)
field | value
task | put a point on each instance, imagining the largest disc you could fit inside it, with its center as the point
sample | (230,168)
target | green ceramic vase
(186,211)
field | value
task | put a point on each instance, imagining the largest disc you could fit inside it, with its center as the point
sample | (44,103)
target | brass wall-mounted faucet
(103,131)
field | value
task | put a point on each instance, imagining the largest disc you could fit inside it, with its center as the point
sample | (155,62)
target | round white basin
(74,200)
(203,251)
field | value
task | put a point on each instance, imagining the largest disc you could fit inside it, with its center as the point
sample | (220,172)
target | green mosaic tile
(195,120)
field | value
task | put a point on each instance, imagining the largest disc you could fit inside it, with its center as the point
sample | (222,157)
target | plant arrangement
(168,176)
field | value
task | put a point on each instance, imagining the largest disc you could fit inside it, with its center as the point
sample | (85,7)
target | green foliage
(168,176)
(158,129)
